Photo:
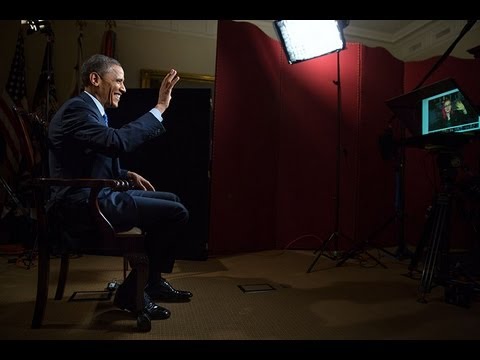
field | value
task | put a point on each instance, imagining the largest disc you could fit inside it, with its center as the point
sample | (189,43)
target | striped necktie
(105,118)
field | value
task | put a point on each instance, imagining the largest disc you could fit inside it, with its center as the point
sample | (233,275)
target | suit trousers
(160,215)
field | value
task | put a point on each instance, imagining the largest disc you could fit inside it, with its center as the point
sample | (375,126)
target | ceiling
(384,26)
(385,30)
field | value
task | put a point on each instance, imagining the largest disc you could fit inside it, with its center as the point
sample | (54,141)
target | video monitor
(448,111)
(437,108)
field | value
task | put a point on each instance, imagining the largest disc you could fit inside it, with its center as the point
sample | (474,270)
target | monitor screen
(438,108)
(448,111)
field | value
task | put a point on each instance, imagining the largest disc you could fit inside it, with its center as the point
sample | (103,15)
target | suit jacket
(82,146)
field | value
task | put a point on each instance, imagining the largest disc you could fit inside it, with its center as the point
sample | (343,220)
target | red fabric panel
(422,173)
(380,78)
(275,144)
(245,140)
(464,71)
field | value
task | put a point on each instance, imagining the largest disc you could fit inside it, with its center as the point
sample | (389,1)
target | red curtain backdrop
(275,145)
(380,77)
(245,141)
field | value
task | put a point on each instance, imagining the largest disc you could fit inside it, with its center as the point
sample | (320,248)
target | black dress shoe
(164,291)
(154,311)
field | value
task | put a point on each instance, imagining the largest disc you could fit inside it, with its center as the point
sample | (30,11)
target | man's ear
(94,78)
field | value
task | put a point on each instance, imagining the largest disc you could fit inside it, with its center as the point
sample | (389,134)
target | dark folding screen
(177,161)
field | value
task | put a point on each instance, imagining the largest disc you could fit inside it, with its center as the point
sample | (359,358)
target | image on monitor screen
(448,111)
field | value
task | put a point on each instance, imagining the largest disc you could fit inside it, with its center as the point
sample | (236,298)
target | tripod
(436,233)
(336,234)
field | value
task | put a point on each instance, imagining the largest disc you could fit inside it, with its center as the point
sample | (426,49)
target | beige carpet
(357,301)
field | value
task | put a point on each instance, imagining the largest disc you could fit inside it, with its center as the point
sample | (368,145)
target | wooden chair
(130,242)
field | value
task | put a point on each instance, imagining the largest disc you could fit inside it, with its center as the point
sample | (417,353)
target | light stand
(304,40)
(336,234)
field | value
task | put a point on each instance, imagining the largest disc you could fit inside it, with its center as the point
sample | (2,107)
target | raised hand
(165,92)
(459,106)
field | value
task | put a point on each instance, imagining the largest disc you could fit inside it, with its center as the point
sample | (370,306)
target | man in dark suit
(81,145)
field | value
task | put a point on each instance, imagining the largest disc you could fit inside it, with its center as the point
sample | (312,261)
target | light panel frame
(307,39)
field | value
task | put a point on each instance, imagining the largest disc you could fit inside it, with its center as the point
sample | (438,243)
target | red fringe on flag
(109,41)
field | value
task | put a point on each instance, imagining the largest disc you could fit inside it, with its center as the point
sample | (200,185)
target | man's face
(111,87)
(448,106)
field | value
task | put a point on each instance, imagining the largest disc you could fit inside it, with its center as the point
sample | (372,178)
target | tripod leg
(357,248)
(321,251)
(422,242)
(323,247)
(361,246)
(376,260)
(438,242)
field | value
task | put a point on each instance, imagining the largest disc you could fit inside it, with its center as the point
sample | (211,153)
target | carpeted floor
(356,301)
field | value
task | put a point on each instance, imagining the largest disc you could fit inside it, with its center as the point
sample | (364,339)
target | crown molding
(200,28)
(384,37)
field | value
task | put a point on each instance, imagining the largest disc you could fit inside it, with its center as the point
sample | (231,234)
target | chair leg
(42,285)
(62,277)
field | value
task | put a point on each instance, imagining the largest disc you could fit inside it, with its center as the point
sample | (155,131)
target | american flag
(109,40)
(77,82)
(10,129)
(46,83)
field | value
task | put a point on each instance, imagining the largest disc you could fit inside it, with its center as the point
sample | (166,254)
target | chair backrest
(35,156)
